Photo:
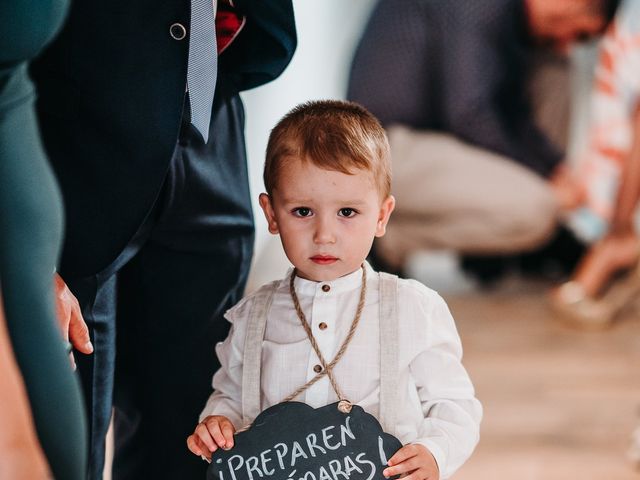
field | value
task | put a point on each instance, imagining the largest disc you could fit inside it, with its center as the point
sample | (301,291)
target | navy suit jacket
(111,92)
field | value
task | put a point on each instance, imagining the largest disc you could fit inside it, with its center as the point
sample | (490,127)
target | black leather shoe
(487,270)
(555,260)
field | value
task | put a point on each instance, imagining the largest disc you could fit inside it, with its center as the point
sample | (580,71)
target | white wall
(328,31)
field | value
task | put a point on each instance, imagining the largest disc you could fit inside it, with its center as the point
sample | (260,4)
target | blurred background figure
(30,238)
(475,98)
(607,183)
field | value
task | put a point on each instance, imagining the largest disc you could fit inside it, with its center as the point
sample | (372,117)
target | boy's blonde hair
(333,135)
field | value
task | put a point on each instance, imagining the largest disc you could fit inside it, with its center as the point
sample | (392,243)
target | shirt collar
(346,283)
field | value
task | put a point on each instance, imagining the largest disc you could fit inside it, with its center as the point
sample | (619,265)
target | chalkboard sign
(293,441)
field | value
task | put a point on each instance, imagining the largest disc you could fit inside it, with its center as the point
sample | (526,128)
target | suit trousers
(451,195)
(454,196)
(156,313)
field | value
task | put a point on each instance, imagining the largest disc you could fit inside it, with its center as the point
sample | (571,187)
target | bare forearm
(19,446)
(629,189)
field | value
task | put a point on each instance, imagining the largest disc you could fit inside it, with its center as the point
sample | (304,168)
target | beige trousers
(451,195)
(455,196)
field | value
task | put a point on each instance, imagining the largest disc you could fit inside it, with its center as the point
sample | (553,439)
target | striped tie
(203,64)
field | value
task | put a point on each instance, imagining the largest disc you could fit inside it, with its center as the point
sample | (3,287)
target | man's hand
(414,461)
(569,193)
(212,433)
(70,319)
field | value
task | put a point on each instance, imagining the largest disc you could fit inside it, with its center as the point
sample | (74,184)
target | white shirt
(437,405)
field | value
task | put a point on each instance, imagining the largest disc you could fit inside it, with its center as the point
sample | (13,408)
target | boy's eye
(302,212)
(346,212)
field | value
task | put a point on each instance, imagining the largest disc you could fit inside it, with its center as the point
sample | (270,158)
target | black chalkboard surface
(293,441)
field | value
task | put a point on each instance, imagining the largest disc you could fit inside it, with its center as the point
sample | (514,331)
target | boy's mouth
(323,259)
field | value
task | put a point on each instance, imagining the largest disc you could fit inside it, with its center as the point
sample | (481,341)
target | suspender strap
(253,353)
(388,351)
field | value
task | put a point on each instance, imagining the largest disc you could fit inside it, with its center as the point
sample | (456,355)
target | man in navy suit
(159,232)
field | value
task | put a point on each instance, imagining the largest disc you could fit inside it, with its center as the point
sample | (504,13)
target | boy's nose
(324,233)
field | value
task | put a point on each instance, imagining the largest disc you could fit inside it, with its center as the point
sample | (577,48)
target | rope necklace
(344,405)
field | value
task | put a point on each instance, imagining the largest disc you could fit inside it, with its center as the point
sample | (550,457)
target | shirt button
(317,368)
(326,288)
(177,31)
(322,326)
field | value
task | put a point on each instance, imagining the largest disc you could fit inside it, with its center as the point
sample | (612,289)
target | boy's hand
(415,461)
(212,433)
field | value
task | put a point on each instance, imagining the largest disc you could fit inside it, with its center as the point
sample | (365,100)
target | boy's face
(326,220)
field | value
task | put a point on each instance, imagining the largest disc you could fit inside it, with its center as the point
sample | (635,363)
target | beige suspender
(253,353)
(388,351)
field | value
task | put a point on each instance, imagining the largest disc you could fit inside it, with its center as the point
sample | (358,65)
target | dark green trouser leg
(30,233)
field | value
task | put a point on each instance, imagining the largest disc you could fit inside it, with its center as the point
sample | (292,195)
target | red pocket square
(229,23)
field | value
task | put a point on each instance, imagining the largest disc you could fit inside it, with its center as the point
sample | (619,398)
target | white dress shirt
(437,405)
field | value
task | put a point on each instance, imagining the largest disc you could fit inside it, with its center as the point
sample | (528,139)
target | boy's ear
(383,216)
(267,208)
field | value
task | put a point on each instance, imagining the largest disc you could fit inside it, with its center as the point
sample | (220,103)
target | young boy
(328,181)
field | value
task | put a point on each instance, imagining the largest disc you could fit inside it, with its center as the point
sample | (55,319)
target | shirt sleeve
(483,89)
(226,398)
(452,414)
